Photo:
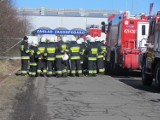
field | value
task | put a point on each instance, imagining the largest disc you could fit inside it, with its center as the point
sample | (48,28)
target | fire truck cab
(126,41)
(151,59)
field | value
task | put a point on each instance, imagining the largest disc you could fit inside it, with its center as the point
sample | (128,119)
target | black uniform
(92,52)
(42,64)
(24,48)
(62,48)
(33,60)
(100,58)
(75,57)
(51,54)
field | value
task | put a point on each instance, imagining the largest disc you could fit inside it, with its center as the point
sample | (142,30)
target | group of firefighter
(62,57)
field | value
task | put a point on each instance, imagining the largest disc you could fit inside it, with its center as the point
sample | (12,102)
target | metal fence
(9,47)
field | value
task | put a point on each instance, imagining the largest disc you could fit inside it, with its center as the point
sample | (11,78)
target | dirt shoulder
(10,86)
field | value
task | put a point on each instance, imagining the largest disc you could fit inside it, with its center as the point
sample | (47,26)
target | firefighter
(50,54)
(104,50)
(24,49)
(75,57)
(82,44)
(66,62)
(100,57)
(103,27)
(33,58)
(60,63)
(42,64)
(92,52)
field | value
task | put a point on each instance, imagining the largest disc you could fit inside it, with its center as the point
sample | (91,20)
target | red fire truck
(151,59)
(126,41)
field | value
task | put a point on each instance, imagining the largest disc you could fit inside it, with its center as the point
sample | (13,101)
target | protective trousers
(42,67)
(33,69)
(24,66)
(67,66)
(100,65)
(76,67)
(92,69)
(59,66)
(51,67)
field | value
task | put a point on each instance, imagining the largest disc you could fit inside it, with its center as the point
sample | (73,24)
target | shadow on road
(137,84)
(133,79)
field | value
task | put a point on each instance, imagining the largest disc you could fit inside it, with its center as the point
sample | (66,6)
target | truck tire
(114,67)
(157,76)
(147,80)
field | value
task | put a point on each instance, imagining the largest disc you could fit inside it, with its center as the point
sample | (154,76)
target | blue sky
(139,6)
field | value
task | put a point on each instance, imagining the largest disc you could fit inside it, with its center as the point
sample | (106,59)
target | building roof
(66,12)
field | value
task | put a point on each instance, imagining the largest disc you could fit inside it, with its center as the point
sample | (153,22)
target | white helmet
(97,39)
(73,38)
(88,36)
(82,40)
(55,39)
(79,41)
(64,39)
(43,39)
(65,57)
(35,43)
(91,39)
(51,39)
(102,39)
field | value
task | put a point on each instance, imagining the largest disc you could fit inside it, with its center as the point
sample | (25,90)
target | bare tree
(11,25)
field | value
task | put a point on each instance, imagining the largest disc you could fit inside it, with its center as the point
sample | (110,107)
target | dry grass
(10,85)
(8,67)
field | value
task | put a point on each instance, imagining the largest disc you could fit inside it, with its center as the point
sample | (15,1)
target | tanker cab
(142,36)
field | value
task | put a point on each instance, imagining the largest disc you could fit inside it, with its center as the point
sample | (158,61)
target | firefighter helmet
(73,38)
(91,39)
(65,57)
(97,39)
(35,43)
(43,39)
(79,41)
(64,39)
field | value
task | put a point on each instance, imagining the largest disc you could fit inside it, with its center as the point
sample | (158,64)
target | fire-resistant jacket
(51,51)
(92,51)
(24,48)
(41,50)
(61,49)
(102,50)
(33,55)
(75,51)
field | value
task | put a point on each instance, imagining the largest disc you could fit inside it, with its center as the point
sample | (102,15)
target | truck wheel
(114,67)
(157,76)
(146,79)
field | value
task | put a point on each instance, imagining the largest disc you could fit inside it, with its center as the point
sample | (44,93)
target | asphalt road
(89,98)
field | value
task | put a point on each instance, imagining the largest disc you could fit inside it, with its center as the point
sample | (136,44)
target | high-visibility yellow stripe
(22,47)
(73,71)
(51,58)
(51,50)
(101,70)
(90,71)
(100,56)
(59,72)
(58,56)
(33,64)
(94,50)
(92,58)
(25,57)
(94,71)
(79,71)
(75,57)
